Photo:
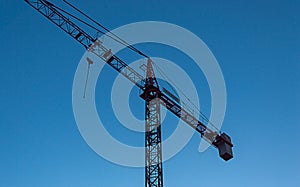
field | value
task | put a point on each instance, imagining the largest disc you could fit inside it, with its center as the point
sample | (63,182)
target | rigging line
(84,22)
(172,88)
(120,40)
(87,76)
(184,104)
(163,74)
(198,110)
(87,24)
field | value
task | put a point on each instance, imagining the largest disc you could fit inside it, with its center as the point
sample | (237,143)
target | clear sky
(257,44)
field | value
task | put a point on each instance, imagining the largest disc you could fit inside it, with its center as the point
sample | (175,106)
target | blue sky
(257,44)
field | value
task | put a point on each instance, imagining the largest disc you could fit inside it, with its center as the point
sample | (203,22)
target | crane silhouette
(154,96)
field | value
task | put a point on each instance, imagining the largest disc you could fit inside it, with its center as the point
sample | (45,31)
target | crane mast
(153,151)
(151,93)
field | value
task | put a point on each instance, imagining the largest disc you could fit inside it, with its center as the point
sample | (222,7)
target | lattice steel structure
(151,93)
(153,147)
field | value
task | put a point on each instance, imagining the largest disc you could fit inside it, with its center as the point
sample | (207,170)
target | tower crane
(154,96)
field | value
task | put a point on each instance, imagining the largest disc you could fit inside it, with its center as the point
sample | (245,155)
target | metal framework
(153,149)
(48,10)
(153,153)
(151,94)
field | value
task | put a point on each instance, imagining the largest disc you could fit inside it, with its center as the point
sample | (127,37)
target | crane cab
(224,145)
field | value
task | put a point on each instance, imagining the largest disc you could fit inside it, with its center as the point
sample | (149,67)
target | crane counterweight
(224,145)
